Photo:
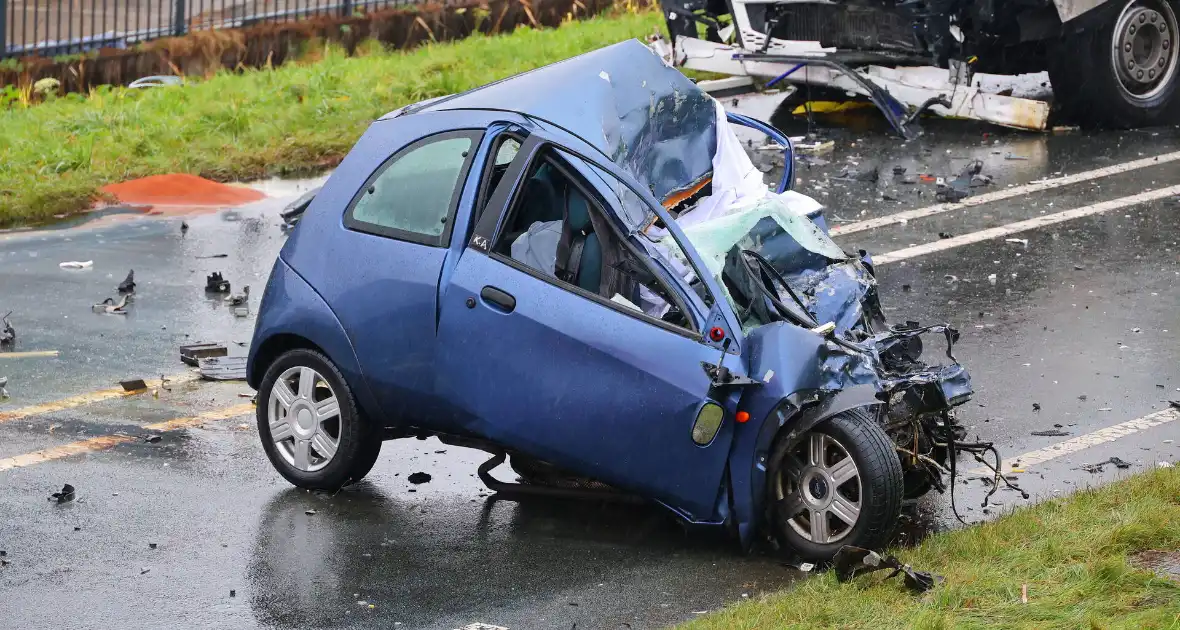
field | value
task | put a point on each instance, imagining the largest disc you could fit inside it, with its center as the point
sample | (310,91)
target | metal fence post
(3,28)
(178,17)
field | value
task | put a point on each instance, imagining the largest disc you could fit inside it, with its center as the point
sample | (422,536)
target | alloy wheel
(304,419)
(820,487)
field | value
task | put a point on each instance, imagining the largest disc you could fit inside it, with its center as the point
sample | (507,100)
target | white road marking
(1007,193)
(1082,442)
(1024,226)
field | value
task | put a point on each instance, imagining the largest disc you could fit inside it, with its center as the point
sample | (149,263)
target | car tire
(806,488)
(1090,89)
(315,410)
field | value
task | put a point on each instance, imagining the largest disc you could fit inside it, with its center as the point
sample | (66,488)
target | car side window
(558,229)
(413,195)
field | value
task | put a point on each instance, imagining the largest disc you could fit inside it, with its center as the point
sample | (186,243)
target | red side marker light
(742,416)
(716,333)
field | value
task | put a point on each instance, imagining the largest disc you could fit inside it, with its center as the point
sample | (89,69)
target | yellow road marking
(108,441)
(33,354)
(85,399)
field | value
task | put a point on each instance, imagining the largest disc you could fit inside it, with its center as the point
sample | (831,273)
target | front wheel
(310,427)
(1124,72)
(841,484)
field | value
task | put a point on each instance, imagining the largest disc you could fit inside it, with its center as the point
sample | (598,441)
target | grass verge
(297,118)
(1071,552)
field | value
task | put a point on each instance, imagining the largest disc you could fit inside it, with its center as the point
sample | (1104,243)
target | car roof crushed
(647,117)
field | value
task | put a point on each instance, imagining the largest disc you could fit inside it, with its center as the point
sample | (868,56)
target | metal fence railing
(49,28)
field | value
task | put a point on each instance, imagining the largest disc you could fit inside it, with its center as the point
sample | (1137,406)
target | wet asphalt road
(235,546)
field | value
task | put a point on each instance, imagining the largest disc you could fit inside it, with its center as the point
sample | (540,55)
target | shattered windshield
(777,228)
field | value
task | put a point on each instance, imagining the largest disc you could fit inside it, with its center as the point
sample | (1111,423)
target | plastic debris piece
(215,283)
(66,495)
(193,353)
(309,512)
(223,368)
(3,387)
(419,478)
(238,300)
(1022,241)
(1051,433)
(134,385)
(1098,467)
(128,283)
(111,307)
(850,562)
(7,332)
(74,264)
(158,80)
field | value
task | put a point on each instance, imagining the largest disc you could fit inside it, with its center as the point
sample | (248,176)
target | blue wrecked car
(575,270)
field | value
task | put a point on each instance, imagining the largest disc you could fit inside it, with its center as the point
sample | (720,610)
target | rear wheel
(1124,72)
(841,484)
(310,427)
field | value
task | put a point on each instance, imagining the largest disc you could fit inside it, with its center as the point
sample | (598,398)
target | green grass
(295,119)
(1072,553)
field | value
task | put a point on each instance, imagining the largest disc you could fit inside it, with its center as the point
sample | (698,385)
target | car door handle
(502,299)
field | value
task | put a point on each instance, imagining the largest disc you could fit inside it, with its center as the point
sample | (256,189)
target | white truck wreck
(1112,63)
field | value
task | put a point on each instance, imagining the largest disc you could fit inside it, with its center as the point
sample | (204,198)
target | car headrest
(577,211)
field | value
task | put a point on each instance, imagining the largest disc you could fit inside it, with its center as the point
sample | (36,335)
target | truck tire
(310,426)
(841,484)
(1123,70)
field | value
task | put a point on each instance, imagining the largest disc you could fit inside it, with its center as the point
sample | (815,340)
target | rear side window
(413,195)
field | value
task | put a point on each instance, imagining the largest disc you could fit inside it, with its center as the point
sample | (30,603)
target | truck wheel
(310,426)
(1124,72)
(839,485)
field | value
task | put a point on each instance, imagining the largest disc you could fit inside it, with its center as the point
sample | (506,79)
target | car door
(380,251)
(587,383)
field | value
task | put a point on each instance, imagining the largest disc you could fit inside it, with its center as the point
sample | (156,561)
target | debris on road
(184,227)
(66,495)
(193,353)
(1097,468)
(868,174)
(133,385)
(3,387)
(213,256)
(152,439)
(309,512)
(223,368)
(7,333)
(111,307)
(144,570)
(128,283)
(1051,433)
(215,283)
(294,210)
(418,478)
(73,264)
(852,561)
(960,187)
(1022,241)
(815,147)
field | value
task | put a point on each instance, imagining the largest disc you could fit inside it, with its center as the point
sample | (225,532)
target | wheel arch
(293,315)
(790,418)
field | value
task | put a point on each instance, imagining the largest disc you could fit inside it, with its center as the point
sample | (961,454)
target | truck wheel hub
(1144,47)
